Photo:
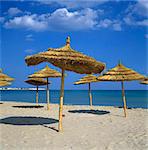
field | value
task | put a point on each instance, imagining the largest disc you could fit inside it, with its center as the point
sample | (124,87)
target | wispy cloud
(29,37)
(14,11)
(113,24)
(30,51)
(74,4)
(137,14)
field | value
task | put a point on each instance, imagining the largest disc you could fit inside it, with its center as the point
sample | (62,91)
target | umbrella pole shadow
(52,128)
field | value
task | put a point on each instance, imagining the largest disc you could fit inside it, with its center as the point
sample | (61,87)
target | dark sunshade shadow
(96,112)
(1,103)
(31,106)
(19,120)
(122,107)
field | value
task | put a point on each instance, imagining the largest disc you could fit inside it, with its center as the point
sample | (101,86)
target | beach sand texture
(104,128)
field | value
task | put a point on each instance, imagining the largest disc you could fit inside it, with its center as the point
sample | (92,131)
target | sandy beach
(103,128)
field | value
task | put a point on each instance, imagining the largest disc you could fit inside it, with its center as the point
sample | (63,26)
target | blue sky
(106,30)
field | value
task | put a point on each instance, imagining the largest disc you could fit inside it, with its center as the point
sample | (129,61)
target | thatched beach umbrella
(87,80)
(4,77)
(121,73)
(37,82)
(4,83)
(66,58)
(46,73)
(145,81)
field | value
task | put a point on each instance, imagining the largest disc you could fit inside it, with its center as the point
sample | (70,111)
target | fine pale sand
(104,128)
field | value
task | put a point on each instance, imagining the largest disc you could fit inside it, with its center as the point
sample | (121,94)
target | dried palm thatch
(87,80)
(46,73)
(37,82)
(66,58)
(145,81)
(4,83)
(4,77)
(121,73)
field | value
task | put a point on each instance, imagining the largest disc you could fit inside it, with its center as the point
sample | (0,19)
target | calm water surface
(135,98)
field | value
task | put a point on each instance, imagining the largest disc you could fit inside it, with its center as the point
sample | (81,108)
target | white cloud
(113,24)
(14,11)
(117,26)
(59,20)
(105,23)
(31,22)
(62,19)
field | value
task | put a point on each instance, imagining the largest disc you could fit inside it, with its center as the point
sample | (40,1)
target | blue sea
(135,98)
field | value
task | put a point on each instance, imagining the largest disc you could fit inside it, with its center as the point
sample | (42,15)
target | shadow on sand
(1,103)
(19,120)
(31,106)
(95,112)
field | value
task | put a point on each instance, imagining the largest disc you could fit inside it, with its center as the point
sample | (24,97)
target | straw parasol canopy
(121,73)
(66,58)
(4,77)
(37,82)
(46,73)
(145,81)
(87,80)
(4,83)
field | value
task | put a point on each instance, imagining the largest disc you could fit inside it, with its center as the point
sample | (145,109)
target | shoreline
(43,88)
(83,105)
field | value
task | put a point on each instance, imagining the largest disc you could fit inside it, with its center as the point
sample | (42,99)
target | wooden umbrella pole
(60,128)
(124,100)
(37,95)
(90,96)
(47,95)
